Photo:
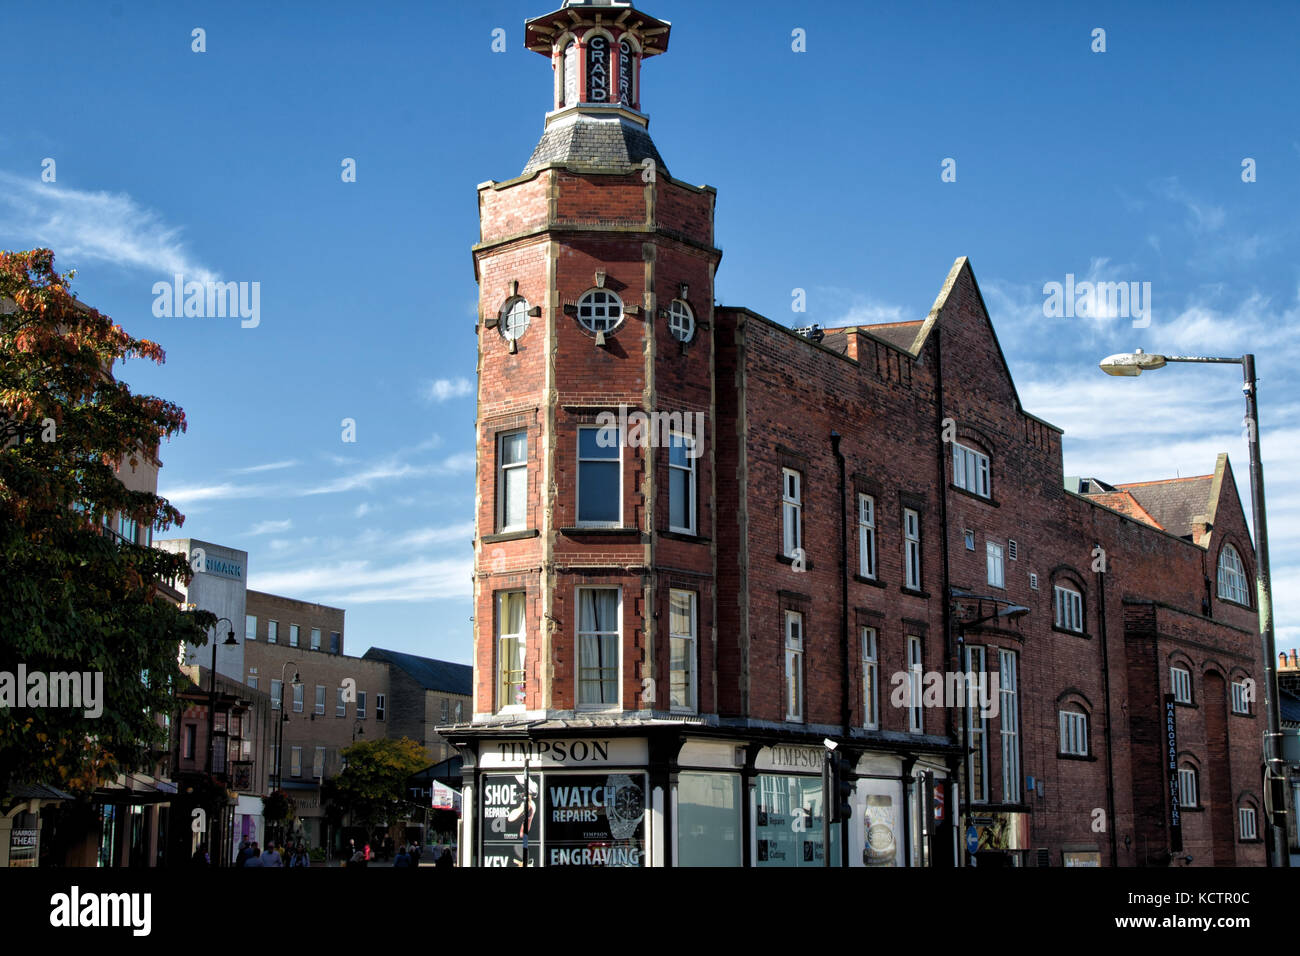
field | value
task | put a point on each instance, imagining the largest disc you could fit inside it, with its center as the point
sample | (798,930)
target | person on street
(403,859)
(254,856)
(271,857)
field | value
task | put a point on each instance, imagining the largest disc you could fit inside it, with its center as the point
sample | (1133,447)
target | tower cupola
(596,48)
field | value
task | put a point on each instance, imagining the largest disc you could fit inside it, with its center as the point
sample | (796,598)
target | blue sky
(1119,166)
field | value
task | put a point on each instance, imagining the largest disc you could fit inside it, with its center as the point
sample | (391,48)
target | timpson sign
(791,759)
(568,752)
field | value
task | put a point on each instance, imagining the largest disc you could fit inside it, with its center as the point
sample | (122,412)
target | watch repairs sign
(595,819)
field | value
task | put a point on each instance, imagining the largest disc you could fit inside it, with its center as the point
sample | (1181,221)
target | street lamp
(1135,363)
(279,727)
(1002,610)
(212,683)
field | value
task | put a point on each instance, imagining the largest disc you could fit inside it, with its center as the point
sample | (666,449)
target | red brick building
(708,543)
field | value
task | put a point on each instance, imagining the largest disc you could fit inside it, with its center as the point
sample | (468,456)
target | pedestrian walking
(403,859)
(254,856)
(270,857)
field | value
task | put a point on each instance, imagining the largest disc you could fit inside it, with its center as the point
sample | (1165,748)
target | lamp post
(1002,609)
(1135,363)
(212,683)
(279,725)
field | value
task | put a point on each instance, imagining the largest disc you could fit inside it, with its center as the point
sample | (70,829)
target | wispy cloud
(270,527)
(101,226)
(269,466)
(442,389)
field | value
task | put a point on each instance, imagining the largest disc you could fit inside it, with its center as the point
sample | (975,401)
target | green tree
(373,786)
(73,599)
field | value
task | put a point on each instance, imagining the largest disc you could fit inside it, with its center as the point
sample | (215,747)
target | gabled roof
(427,672)
(1175,503)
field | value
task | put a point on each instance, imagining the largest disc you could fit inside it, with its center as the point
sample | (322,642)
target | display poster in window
(881,844)
(1081,858)
(595,819)
(509,823)
(788,826)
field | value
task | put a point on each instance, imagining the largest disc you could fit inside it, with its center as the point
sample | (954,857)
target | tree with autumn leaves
(72,598)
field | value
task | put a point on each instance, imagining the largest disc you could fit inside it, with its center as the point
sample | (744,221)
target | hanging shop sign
(1171,763)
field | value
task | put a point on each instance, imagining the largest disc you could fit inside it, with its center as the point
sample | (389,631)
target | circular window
(600,310)
(514,319)
(680,321)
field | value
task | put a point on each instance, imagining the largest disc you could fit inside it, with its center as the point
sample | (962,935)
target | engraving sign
(598,70)
(625,73)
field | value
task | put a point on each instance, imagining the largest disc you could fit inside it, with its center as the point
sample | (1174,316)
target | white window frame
(294,632)
(320,700)
(915,677)
(502,671)
(272,632)
(579,634)
(681,321)
(977,726)
(295,761)
(691,653)
(318,762)
(911,549)
(340,705)
(618,462)
(1187,782)
(970,469)
(315,639)
(381,706)
(250,627)
(277,694)
(688,445)
(870,678)
(1180,681)
(1009,714)
(299,697)
(604,322)
(1068,604)
(997,565)
(1074,733)
(1232,577)
(794,667)
(361,705)
(513,319)
(1240,701)
(1247,824)
(791,512)
(503,473)
(867,536)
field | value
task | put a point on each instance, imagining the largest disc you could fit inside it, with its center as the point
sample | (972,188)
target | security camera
(830,744)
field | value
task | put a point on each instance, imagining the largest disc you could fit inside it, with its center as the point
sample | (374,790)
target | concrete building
(219,585)
(706,543)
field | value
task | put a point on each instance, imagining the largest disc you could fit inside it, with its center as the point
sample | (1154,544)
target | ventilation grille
(1011,549)
(1033,580)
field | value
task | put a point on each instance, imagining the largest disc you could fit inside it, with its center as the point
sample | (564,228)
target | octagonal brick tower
(595,271)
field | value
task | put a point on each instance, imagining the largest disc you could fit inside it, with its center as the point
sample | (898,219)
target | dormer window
(600,311)
(681,323)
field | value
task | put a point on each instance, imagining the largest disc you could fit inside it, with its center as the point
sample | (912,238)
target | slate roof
(1174,502)
(1125,503)
(900,334)
(602,143)
(427,672)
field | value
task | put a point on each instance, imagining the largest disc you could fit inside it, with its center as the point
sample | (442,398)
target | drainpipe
(844,640)
(1105,684)
(953,654)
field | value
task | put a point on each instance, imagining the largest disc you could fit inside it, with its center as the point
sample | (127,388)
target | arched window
(681,322)
(514,318)
(1074,731)
(627,63)
(600,310)
(1232,576)
(569,83)
(598,70)
(1187,786)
